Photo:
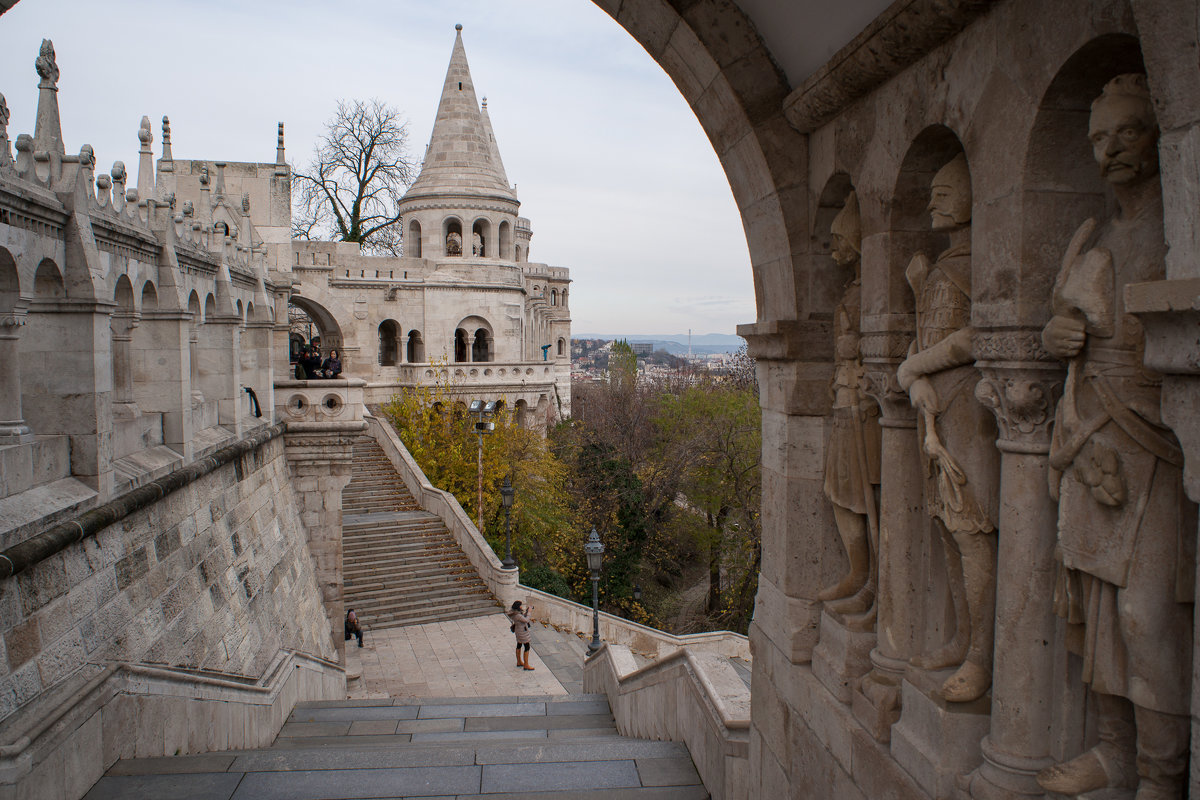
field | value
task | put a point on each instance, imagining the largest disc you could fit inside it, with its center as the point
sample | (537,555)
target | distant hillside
(677,344)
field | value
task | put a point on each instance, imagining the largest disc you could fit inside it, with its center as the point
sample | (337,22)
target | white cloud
(615,172)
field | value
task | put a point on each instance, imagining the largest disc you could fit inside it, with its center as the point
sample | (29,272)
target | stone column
(13,429)
(402,357)
(123,324)
(903,526)
(1023,394)
(258,340)
(161,382)
(320,439)
(220,374)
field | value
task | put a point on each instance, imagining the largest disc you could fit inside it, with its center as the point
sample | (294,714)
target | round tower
(461,205)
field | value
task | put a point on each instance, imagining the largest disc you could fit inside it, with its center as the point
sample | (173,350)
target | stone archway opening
(314,322)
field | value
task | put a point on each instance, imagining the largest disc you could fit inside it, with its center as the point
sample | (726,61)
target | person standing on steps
(521,620)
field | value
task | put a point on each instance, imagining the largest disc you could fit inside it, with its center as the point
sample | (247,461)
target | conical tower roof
(460,160)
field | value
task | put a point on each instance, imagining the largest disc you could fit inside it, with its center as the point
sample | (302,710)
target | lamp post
(506,498)
(594,550)
(482,411)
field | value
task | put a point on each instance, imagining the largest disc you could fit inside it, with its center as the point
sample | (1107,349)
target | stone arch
(562,347)
(1062,185)
(412,244)
(416,348)
(521,413)
(505,236)
(250,311)
(123,293)
(737,91)
(478,337)
(461,345)
(241,311)
(389,343)
(210,306)
(10,282)
(827,280)
(481,227)
(330,332)
(48,281)
(520,256)
(554,297)
(453,245)
(149,297)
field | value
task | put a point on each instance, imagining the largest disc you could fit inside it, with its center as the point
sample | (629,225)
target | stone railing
(313,405)
(689,697)
(481,374)
(650,642)
(60,745)
(500,581)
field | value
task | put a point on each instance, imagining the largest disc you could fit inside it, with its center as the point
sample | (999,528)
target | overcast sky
(618,178)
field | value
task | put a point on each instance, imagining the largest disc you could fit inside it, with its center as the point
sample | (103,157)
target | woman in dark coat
(520,626)
(332,366)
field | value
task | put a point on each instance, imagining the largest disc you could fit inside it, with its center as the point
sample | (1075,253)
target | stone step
(385,579)
(424,616)
(382,566)
(551,748)
(379,598)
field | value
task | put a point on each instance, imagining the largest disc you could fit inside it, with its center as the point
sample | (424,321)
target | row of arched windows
(392,343)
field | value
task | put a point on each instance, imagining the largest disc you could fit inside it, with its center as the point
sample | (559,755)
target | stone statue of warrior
(958,436)
(852,456)
(1126,531)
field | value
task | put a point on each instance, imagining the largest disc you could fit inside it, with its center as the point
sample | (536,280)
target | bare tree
(361,168)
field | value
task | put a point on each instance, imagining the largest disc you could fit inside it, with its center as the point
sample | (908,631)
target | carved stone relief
(1125,529)
(961,472)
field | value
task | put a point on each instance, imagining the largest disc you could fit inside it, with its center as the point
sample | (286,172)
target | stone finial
(118,185)
(4,116)
(485,101)
(189,209)
(47,65)
(458,27)
(166,139)
(144,134)
(220,187)
(279,157)
(5,153)
(204,176)
(246,203)
(104,190)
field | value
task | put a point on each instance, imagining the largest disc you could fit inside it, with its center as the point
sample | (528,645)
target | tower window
(460,86)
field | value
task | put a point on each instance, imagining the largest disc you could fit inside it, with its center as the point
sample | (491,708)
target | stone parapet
(689,697)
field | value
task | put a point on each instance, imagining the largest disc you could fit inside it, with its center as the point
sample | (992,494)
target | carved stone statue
(957,438)
(476,244)
(1126,531)
(852,456)
(453,244)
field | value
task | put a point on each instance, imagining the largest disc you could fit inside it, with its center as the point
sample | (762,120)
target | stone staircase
(545,748)
(400,564)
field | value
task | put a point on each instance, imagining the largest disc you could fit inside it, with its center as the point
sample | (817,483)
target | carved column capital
(12,321)
(882,352)
(1021,384)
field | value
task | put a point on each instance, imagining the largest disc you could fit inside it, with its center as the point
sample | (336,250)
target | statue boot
(1162,752)
(853,531)
(1109,764)
(974,677)
(953,652)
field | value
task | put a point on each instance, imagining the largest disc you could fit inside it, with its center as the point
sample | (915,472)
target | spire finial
(47,65)
(166,139)
(458,27)
(485,101)
(279,157)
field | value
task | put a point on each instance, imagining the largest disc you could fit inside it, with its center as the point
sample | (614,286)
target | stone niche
(976,169)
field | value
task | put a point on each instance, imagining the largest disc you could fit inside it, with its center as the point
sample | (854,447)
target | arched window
(562,346)
(481,345)
(416,348)
(554,297)
(460,345)
(518,253)
(505,240)
(452,236)
(412,245)
(481,239)
(389,343)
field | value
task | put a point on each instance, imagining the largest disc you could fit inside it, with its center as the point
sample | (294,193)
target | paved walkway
(463,658)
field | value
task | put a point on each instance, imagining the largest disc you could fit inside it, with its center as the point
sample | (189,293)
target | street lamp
(482,411)
(594,550)
(506,498)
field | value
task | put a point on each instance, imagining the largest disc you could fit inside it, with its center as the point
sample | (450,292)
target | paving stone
(559,776)
(545,723)
(644,793)
(365,702)
(620,749)
(170,765)
(371,740)
(667,771)
(314,729)
(578,707)
(347,784)
(314,758)
(353,714)
(197,786)
(369,727)
(475,736)
(484,710)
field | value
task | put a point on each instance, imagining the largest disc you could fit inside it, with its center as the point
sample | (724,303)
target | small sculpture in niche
(1125,528)
(852,456)
(960,460)
(453,244)
(476,244)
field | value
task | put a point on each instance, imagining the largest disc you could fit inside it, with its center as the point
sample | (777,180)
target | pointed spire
(166,139)
(47,132)
(5,150)
(459,158)
(493,148)
(145,179)
(279,157)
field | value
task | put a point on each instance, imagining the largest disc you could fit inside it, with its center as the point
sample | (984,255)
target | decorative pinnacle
(458,27)
(46,64)
(246,203)
(144,134)
(3,113)
(279,157)
(166,130)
